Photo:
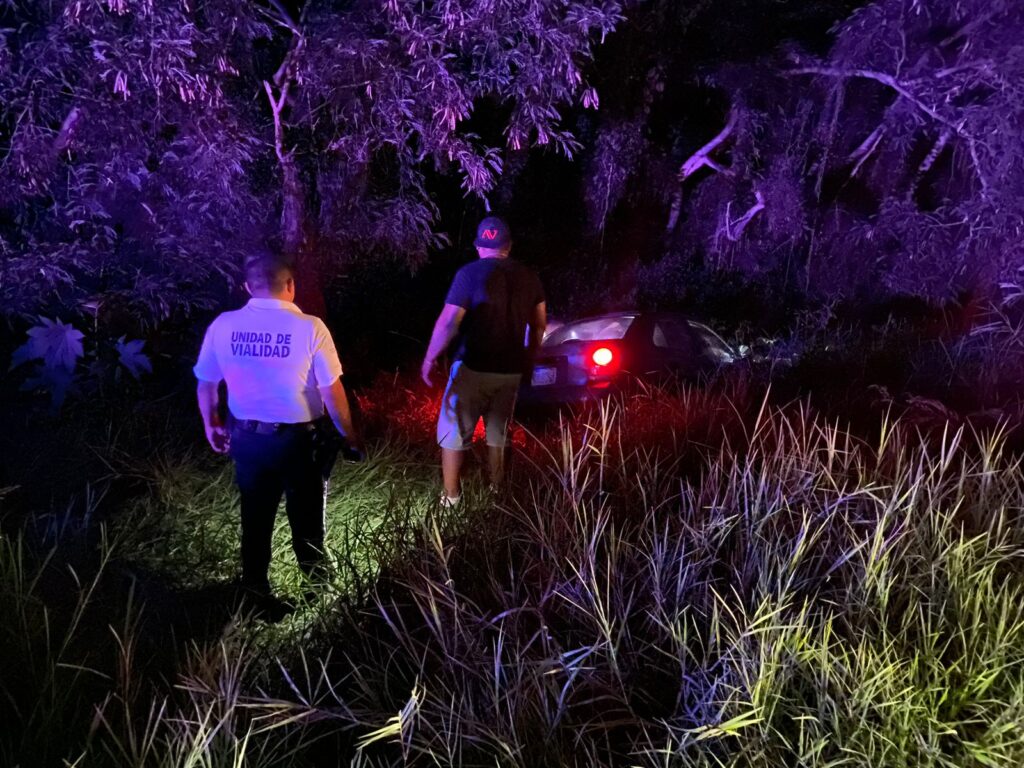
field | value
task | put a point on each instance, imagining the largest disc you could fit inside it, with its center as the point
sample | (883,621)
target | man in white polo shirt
(281,370)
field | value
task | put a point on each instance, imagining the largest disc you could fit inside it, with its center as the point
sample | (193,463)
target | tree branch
(901,89)
(285,19)
(880,77)
(292,201)
(933,155)
(276,108)
(863,152)
(695,162)
(867,146)
(67,131)
(733,230)
(973,25)
(929,161)
(701,158)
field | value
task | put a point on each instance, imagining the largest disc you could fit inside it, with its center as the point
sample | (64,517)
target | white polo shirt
(273,357)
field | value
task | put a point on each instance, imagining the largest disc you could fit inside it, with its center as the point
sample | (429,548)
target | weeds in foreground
(805,599)
(757,589)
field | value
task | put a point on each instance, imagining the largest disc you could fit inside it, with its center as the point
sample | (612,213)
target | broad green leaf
(131,356)
(57,344)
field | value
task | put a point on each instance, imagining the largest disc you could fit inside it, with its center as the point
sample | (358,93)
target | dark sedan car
(588,358)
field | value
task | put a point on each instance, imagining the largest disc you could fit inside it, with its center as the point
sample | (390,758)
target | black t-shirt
(499,296)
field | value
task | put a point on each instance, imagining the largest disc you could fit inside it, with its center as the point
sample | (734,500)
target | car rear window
(598,329)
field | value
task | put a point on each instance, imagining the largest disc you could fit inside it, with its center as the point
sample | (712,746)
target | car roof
(630,313)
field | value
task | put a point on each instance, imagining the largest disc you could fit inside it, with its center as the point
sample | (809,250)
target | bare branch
(285,19)
(929,161)
(733,230)
(880,77)
(701,158)
(866,148)
(900,88)
(276,108)
(974,25)
(287,69)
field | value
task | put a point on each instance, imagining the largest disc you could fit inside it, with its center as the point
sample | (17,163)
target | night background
(811,556)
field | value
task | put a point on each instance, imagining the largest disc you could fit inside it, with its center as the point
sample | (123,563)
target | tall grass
(682,579)
(79,689)
(802,599)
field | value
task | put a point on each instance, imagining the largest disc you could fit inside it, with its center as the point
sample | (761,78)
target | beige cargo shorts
(471,396)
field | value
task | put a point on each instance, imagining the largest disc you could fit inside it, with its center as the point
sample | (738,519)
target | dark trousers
(286,462)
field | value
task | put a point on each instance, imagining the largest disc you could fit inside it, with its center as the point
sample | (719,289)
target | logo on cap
(492,233)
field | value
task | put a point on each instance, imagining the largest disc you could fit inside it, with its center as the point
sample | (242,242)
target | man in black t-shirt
(496,308)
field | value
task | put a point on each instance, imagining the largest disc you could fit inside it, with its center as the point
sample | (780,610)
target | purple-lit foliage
(51,360)
(386,92)
(126,149)
(145,145)
(893,163)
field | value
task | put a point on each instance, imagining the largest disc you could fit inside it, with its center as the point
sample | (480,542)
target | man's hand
(353,449)
(219,438)
(427,371)
(336,400)
(445,329)
(208,394)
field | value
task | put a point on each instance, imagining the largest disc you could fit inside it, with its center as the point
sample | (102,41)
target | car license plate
(543,376)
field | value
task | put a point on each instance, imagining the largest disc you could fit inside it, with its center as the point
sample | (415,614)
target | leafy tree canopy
(884,159)
(146,145)
(847,150)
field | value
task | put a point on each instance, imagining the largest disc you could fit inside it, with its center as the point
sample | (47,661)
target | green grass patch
(690,578)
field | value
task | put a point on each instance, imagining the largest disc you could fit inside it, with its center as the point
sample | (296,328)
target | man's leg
(260,487)
(496,464)
(497,418)
(460,411)
(451,468)
(305,502)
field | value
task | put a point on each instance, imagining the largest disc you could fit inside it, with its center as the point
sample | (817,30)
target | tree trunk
(297,245)
(293,213)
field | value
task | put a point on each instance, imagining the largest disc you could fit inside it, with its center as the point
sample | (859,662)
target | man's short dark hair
(268,272)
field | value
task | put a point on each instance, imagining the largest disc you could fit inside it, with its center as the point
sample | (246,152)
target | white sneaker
(449,502)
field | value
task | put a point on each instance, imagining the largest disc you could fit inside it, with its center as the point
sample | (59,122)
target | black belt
(273,427)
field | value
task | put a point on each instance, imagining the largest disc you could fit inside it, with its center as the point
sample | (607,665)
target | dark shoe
(259,601)
(274,609)
(249,595)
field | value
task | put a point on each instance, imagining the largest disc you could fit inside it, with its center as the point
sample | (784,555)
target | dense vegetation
(822,150)
(689,578)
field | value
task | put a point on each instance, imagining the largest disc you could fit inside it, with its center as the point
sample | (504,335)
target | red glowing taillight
(603,357)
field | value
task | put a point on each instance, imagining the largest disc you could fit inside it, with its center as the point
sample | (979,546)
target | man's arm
(208,395)
(445,329)
(336,400)
(538,324)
